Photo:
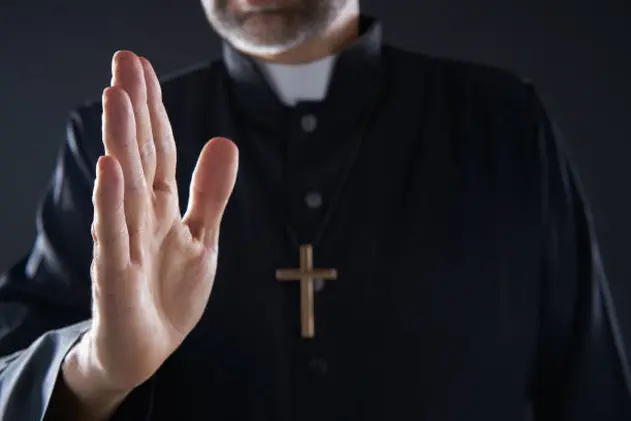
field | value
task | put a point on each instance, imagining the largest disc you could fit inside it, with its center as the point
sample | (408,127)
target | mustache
(238,12)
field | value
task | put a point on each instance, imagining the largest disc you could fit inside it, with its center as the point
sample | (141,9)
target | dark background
(56,54)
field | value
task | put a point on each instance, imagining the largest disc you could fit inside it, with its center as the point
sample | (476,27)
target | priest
(314,226)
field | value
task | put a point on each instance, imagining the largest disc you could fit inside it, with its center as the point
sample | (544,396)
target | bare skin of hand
(153,269)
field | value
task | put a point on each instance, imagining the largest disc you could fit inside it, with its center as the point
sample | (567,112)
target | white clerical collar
(293,83)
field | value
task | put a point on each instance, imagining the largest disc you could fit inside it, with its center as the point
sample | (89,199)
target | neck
(342,32)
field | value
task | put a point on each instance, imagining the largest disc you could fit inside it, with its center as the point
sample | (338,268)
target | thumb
(212,183)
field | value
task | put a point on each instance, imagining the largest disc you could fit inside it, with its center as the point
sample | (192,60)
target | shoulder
(468,84)
(493,116)
(489,107)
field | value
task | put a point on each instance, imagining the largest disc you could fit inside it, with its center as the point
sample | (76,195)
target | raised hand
(153,269)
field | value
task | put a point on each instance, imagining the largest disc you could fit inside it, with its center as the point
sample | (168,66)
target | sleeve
(582,370)
(45,299)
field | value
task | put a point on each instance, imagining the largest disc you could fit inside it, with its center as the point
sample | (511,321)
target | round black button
(318,367)
(309,123)
(318,285)
(313,199)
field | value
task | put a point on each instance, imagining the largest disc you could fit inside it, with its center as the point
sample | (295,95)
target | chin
(262,40)
(268,33)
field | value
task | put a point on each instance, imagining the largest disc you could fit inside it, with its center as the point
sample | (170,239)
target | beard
(273,27)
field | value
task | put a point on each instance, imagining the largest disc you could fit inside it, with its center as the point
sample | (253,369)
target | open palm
(153,269)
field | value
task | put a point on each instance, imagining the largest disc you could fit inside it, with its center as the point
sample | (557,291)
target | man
(448,268)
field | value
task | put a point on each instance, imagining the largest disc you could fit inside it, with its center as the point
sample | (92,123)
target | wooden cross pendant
(307,275)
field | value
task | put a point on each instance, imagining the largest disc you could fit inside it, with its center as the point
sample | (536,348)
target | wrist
(87,393)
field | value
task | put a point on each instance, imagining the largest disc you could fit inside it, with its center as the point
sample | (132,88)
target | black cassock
(469,281)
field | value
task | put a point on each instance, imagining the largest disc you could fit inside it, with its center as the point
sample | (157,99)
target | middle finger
(128,74)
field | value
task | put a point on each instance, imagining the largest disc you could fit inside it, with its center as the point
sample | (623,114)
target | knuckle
(147,148)
(137,229)
(135,185)
(164,187)
(93,232)
(111,236)
(162,144)
(93,267)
